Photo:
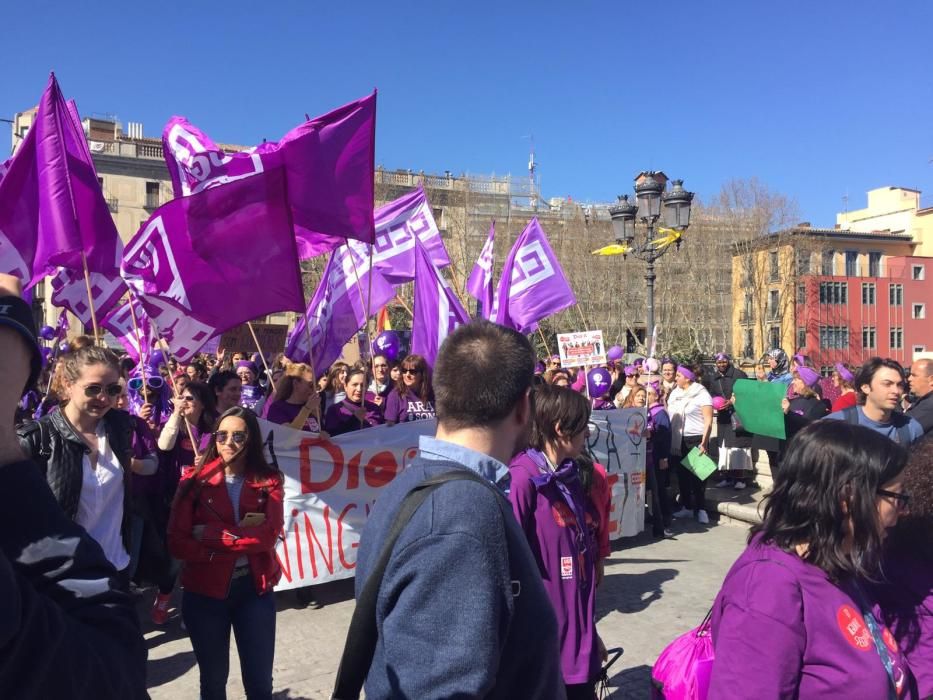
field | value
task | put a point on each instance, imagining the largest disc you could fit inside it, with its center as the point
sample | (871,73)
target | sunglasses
(411,370)
(901,500)
(92,391)
(189,399)
(154,383)
(238,436)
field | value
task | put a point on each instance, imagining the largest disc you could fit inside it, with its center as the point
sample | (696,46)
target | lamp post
(650,194)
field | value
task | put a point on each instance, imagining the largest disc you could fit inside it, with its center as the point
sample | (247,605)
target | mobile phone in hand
(253,519)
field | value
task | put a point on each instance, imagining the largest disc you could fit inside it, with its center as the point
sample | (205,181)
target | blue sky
(815,99)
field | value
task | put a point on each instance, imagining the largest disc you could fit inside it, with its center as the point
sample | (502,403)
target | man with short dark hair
(462,610)
(921,387)
(880,386)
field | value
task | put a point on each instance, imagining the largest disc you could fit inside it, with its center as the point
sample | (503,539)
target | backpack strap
(850,415)
(360,645)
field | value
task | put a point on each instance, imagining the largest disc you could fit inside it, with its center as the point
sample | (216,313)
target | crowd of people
(163,467)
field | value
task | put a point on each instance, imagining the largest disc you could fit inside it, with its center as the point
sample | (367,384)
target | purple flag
(532,285)
(205,263)
(398,224)
(328,163)
(69,291)
(437,309)
(480,284)
(338,307)
(120,323)
(52,210)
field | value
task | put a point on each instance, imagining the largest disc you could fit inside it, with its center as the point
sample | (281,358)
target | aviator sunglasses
(238,436)
(92,391)
(154,383)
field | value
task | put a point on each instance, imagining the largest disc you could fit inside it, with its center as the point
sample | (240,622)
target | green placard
(759,407)
(699,463)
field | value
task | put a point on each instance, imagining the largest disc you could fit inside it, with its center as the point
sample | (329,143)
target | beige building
(893,210)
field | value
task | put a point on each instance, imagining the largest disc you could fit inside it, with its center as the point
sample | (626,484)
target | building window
(896,294)
(916,273)
(869,338)
(774,309)
(834,337)
(827,267)
(868,293)
(897,338)
(749,343)
(851,263)
(152,195)
(803,263)
(834,292)
(801,294)
(774,266)
(918,311)
(747,314)
(827,370)
(774,335)
(801,338)
(919,348)
(874,264)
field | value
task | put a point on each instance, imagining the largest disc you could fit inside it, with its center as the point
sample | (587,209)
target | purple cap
(844,373)
(723,357)
(800,359)
(686,372)
(808,376)
(539,367)
(630,370)
(615,353)
(248,365)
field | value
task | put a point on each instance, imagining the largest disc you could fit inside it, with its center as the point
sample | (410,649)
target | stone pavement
(653,592)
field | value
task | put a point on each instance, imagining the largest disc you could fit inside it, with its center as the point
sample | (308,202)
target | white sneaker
(702,518)
(725,483)
(683,513)
(739,485)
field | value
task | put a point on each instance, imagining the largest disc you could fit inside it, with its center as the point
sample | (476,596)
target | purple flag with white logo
(479,285)
(398,224)
(338,307)
(52,210)
(533,285)
(328,163)
(205,263)
(69,291)
(438,311)
(120,324)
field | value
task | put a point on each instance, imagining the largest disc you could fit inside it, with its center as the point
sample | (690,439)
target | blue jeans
(252,617)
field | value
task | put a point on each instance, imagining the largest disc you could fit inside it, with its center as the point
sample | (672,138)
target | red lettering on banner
(353,471)
(612,479)
(336,459)
(285,566)
(380,470)
(354,545)
(301,566)
(312,537)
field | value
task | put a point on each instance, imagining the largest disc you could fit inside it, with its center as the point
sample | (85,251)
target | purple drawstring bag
(684,668)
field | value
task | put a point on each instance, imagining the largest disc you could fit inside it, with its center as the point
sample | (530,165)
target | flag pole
(139,338)
(365,303)
(582,318)
(544,340)
(404,306)
(262,356)
(90,299)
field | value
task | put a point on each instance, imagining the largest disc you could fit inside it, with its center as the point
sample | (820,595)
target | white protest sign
(581,349)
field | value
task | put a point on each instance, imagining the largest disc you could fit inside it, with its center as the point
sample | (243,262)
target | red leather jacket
(208,564)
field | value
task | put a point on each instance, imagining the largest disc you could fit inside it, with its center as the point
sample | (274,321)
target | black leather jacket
(58,451)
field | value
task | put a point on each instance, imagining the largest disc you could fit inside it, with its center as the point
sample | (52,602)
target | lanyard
(887,660)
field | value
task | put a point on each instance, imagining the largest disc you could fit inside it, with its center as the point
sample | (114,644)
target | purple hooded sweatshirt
(565,556)
(781,629)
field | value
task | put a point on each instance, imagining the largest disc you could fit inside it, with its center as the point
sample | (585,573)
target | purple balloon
(156,359)
(387,343)
(615,353)
(598,381)
(46,353)
(64,346)
(47,333)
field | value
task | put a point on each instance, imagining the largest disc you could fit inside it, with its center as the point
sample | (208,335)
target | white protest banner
(581,349)
(331,485)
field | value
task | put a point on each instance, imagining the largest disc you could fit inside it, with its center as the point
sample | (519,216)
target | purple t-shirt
(403,409)
(283,413)
(340,418)
(144,445)
(569,576)
(781,629)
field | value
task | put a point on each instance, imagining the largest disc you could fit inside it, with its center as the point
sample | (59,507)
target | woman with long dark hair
(412,398)
(560,524)
(792,619)
(353,412)
(906,592)
(225,522)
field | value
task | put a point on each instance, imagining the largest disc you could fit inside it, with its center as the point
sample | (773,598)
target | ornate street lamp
(650,194)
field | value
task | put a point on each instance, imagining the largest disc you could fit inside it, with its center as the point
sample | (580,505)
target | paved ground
(653,591)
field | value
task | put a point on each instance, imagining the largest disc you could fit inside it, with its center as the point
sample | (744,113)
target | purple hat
(686,372)
(639,361)
(844,373)
(539,367)
(800,359)
(598,381)
(630,370)
(615,353)
(723,357)
(808,376)
(248,365)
